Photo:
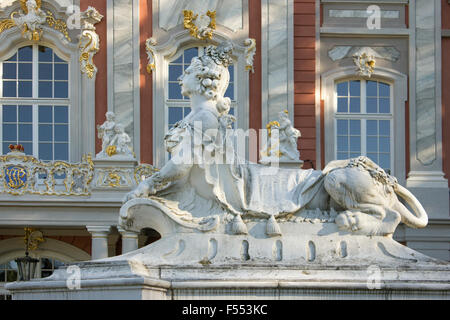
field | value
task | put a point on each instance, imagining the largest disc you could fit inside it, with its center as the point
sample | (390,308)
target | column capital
(126,233)
(99,230)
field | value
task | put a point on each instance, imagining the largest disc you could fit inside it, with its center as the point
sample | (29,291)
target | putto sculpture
(115,141)
(31,19)
(356,194)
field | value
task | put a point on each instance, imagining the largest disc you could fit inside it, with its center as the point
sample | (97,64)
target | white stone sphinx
(116,142)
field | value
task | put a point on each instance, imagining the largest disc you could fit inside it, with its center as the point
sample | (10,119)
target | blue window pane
(58,59)
(342,105)
(385,144)
(61,114)
(230,112)
(371,88)
(10,132)
(178,60)
(231,71)
(25,114)
(45,132)
(25,89)
(61,151)
(342,127)
(27,146)
(25,71)
(385,128)
(9,89)
(384,89)
(342,89)
(342,143)
(45,54)
(13,58)
(187,110)
(45,114)
(9,71)
(384,105)
(175,114)
(9,113)
(61,89)
(372,144)
(373,157)
(355,144)
(26,53)
(175,72)
(189,54)
(45,151)
(355,88)
(174,91)
(25,132)
(355,105)
(45,71)
(61,133)
(385,161)
(355,127)
(372,128)
(61,72)
(355,154)
(342,155)
(6,147)
(371,105)
(45,89)
(230,92)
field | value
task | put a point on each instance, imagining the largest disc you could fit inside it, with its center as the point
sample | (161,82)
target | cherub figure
(106,131)
(121,140)
(31,20)
(288,137)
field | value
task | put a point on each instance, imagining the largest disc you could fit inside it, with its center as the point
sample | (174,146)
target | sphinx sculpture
(356,194)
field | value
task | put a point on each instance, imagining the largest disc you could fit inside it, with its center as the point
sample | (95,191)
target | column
(129,240)
(99,241)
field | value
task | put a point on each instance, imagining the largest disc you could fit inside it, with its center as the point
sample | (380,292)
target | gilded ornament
(149,47)
(111,150)
(200,26)
(114,180)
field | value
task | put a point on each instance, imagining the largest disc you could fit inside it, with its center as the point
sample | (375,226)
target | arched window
(363,121)
(35,102)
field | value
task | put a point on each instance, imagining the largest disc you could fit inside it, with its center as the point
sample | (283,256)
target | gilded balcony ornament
(200,26)
(250,51)
(150,49)
(365,64)
(89,41)
(114,179)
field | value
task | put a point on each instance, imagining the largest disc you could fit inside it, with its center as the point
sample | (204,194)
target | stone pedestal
(293,164)
(114,174)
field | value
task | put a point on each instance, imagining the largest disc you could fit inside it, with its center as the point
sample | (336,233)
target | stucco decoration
(285,147)
(115,141)
(209,183)
(150,49)
(200,26)
(365,64)
(250,51)
(89,41)
(385,53)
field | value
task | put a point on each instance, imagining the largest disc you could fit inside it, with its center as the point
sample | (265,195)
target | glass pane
(9,113)
(384,105)
(342,89)
(175,114)
(45,151)
(355,105)
(342,105)
(26,54)
(45,54)
(45,71)
(372,144)
(385,144)
(342,143)
(61,72)
(355,144)
(10,132)
(189,54)
(179,59)
(385,129)
(11,275)
(45,89)
(9,89)
(61,133)
(25,71)
(355,154)
(355,88)
(371,88)
(385,161)
(27,146)
(175,72)
(371,105)
(58,59)
(174,91)
(373,157)
(45,114)
(9,71)
(230,92)
(25,132)
(231,71)
(342,155)
(13,58)
(25,114)
(61,89)
(384,89)
(187,110)
(6,149)
(45,132)
(25,89)
(342,127)
(372,128)
(355,127)
(61,151)
(61,115)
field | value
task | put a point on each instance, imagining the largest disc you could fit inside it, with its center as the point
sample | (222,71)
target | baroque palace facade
(356,78)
